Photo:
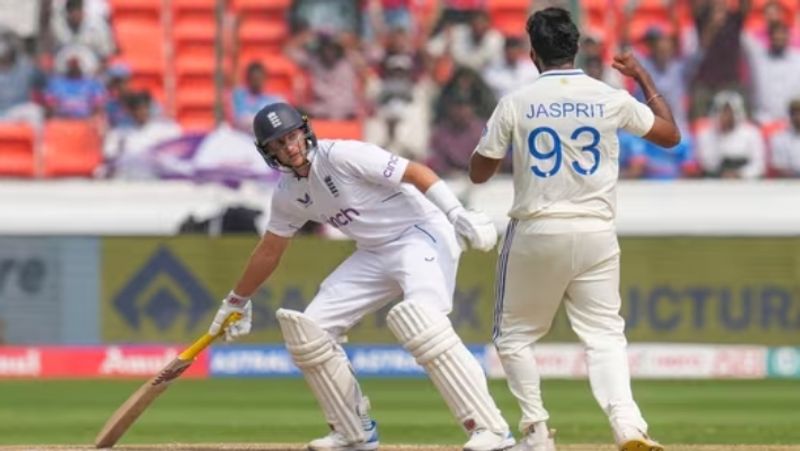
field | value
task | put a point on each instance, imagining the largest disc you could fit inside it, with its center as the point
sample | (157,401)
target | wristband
(440,195)
(653,97)
(237,300)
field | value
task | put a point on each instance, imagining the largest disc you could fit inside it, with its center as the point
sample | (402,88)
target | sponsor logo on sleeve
(391,166)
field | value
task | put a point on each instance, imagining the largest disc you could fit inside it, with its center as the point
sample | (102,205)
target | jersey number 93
(556,155)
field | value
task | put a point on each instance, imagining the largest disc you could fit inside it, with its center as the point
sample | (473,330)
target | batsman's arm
(262,262)
(419,175)
(434,188)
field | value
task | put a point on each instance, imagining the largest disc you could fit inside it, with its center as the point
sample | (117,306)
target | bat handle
(198,346)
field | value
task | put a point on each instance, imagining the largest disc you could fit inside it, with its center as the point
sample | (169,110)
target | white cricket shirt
(355,187)
(562,130)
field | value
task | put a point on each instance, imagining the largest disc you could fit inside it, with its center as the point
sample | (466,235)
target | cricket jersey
(562,131)
(353,186)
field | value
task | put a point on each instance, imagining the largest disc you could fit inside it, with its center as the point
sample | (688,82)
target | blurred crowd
(423,85)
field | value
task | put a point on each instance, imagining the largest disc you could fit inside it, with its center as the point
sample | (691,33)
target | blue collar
(556,72)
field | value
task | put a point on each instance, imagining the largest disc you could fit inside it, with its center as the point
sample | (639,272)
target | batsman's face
(290,149)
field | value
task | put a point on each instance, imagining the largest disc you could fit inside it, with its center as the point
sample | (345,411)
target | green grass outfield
(409,411)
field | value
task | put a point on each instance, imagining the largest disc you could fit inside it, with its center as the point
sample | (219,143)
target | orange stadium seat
(260,5)
(193,10)
(71,148)
(267,34)
(140,38)
(194,108)
(194,73)
(770,128)
(195,38)
(17,151)
(136,10)
(508,16)
(334,129)
(425,11)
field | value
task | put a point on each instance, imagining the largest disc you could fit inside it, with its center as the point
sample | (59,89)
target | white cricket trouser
(421,264)
(537,271)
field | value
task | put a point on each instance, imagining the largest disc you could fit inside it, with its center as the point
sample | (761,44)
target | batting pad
(327,372)
(429,337)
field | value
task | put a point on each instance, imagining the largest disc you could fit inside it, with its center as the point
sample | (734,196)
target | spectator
(514,70)
(73,91)
(381,15)
(731,147)
(402,114)
(125,147)
(21,17)
(718,34)
(326,16)
(397,41)
(457,12)
(786,145)
(117,87)
(772,88)
(18,79)
(641,159)
(246,101)
(466,84)
(335,73)
(472,45)
(775,12)
(590,57)
(70,27)
(454,136)
(671,73)
(93,10)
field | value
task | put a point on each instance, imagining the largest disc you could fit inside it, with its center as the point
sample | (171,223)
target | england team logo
(331,187)
(274,119)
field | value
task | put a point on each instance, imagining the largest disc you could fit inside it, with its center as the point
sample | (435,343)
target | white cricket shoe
(486,440)
(335,441)
(537,438)
(630,438)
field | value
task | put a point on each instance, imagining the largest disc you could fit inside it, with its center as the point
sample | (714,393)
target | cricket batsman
(561,244)
(409,230)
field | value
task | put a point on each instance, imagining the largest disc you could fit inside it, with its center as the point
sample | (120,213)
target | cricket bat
(130,410)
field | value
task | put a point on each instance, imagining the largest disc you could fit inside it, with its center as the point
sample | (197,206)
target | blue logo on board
(163,290)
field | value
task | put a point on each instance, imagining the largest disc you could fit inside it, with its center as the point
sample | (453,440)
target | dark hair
(254,66)
(512,42)
(137,99)
(554,37)
(71,5)
(776,27)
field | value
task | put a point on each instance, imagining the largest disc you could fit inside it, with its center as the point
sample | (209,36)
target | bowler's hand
(233,304)
(474,227)
(628,65)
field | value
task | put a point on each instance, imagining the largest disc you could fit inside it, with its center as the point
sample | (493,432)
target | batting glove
(233,303)
(473,227)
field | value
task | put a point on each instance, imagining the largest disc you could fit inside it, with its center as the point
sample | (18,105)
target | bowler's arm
(482,168)
(262,263)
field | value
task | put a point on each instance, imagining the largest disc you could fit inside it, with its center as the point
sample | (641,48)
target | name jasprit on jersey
(565,109)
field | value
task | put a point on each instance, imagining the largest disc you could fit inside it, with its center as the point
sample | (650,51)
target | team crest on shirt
(305,200)
(331,186)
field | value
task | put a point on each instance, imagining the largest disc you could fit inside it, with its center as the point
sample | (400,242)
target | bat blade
(129,411)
